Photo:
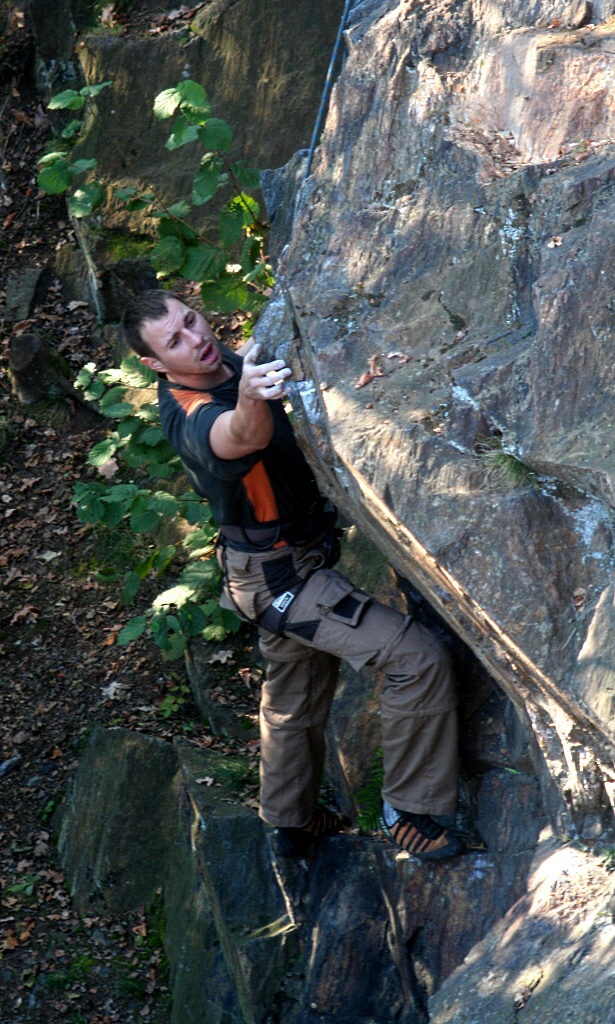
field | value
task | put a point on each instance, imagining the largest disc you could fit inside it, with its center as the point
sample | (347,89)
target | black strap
(274,617)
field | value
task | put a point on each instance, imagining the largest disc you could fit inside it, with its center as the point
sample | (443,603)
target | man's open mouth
(207,353)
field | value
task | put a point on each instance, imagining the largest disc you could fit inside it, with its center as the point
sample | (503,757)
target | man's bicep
(221,439)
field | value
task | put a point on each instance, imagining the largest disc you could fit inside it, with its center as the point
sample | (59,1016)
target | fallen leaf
(364,379)
(10,940)
(223,657)
(109,468)
(77,303)
(27,614)
(111,691)
(205,781)
(554,242)
(48,556)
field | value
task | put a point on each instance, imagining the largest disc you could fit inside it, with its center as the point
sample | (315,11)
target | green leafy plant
(232,268)
(26,886)
(137,488)
(175,698)
(137,452)
(59,170)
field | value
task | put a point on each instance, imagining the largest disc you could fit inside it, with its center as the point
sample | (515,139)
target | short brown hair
(149,305)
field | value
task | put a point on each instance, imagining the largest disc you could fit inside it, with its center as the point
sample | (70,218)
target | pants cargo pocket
(340,601)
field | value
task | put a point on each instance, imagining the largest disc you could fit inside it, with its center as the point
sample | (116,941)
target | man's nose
(193,336)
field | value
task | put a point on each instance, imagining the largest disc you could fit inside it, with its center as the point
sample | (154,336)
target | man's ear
(153,363)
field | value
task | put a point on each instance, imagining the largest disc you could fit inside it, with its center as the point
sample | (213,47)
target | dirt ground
(61,672)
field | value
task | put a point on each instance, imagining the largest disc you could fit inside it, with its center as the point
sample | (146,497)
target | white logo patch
(282,602)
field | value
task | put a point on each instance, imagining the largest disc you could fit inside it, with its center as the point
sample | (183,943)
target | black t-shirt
(263,487)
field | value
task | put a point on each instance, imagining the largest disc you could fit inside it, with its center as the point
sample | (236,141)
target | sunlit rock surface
(448,295)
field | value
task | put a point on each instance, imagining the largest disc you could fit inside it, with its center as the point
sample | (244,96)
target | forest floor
(61,671)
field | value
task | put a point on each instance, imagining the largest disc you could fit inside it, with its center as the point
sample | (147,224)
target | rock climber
(223,413)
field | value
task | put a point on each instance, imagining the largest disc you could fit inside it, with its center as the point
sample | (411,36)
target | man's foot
(294,842)
(421,836)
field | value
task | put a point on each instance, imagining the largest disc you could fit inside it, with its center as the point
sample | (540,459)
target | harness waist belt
(253,536)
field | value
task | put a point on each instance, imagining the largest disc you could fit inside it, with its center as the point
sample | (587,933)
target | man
(222,412)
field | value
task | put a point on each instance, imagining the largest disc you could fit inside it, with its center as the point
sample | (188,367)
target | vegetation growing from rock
(233,274)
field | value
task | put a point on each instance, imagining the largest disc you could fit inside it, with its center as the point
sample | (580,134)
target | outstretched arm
(249,426)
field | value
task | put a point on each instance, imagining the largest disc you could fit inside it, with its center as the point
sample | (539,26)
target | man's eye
(190,320)
(173,341)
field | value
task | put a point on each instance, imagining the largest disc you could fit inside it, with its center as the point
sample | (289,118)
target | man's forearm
(251,424)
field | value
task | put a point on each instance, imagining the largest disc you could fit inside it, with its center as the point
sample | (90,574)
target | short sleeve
(198,448)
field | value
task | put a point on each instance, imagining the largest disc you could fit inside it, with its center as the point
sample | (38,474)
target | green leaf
(143,519)
(200,262)
(197,575)
(183,133)
(166,103)
(151,436)
(177,595)
(50,158)
(192,619)
(174,647)
(129,427)
(121,492)
(250,254)
(113,514)
(163,558)
(250,177)
(133,629)
(55,179)
(91,511)
(118,410)
(167,255)
(94,391)
(215,134)
(225,296)
(238,214)
(72,128)
(205,185)
(67,100)
(179,210)
(125,193)
(193,96)
(102,452)
(163,502)
(94,90)
(85,200)
(79,166)
(113,395)
(83,378)
(132,583)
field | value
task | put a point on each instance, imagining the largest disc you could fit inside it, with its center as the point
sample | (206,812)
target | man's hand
(249,427)
(265,381)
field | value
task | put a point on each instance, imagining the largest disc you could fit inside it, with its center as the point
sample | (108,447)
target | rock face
(447,294)
(352,933)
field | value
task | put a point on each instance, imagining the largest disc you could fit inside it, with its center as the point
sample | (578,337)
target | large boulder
(357,931)
(446,295)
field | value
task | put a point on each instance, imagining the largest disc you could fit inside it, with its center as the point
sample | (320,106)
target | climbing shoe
(294,842)
(422,837)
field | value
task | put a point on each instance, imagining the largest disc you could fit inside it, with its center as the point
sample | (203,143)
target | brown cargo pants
(328,620)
